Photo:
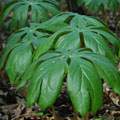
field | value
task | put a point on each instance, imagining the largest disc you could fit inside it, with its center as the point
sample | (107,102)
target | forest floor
(12,102)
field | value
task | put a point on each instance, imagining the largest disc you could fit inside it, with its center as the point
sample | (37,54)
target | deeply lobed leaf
(83,70)
(34,11)
(98,5)
(42,56)
(73,31)
(22,48)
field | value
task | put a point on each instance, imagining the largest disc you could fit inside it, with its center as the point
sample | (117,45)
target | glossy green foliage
(22,47)
(69,47)
(21,12)
(76,31)
(84,70)
(72,19)
(98,5)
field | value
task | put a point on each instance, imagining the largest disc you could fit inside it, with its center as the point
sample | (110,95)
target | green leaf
(38,14)
(84,71)
(68,18)
(98,44)
(99,5)
(69,41)
(44,45)
(71,31)
(34,11)
(72,38)
(109,36)
(55,23)
(77,89)
(24,79)
(34,86)
(84,86)
(30,38)
(105,69)
(52,82)
(19,59)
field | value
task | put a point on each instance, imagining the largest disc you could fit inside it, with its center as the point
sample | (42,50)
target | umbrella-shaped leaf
(34,11)
(99,5)
(87,37)
(71,31)
(84,70)
(23,46)
(68,18)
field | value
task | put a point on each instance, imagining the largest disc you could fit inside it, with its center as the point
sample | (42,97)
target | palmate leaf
(22,47)
(84,70)
(98,40)
(75,31)
(97,5)
(34,11)
(68,18)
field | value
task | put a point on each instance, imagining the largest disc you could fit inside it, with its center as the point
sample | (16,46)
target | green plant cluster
(97,5)
(22,12)
(69,47)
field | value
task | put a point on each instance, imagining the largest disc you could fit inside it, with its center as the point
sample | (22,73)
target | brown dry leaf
(115,112)
(106,89)
(115,98)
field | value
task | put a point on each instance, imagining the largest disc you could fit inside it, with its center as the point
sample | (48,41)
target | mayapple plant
(84,70)
(22,12)
(20,49)
(72,30)
(98,5)
(68,47)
